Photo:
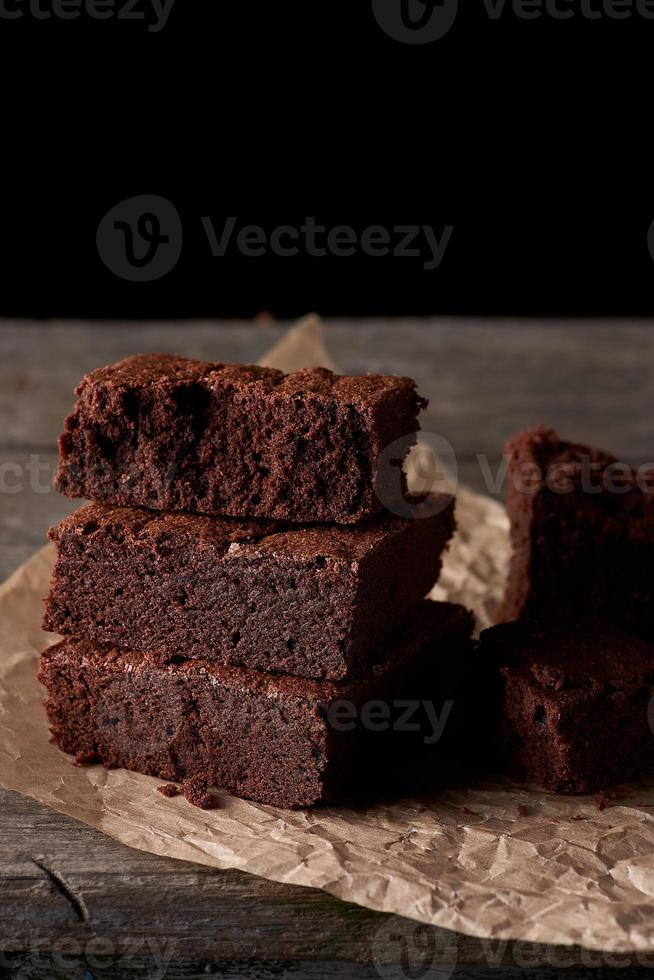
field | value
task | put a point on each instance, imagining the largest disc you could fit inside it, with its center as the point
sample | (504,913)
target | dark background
(531,138)
(570,263)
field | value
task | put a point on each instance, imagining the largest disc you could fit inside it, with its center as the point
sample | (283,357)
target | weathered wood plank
(53,867)
(485,379)
(63,880)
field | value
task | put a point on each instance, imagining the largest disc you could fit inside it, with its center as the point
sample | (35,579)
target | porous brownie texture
(164,432)
(582,531)
(311,601)
(571,701)
(276,739)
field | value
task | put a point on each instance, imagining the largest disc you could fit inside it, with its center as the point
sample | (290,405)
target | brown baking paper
(467,860)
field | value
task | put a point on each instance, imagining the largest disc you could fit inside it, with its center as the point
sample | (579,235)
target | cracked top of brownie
(239,536)
(170,369)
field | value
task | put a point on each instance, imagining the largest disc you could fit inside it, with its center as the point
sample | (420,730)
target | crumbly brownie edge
(180,724)
(307,450)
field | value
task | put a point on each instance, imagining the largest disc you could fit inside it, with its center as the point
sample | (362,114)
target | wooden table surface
(75,903)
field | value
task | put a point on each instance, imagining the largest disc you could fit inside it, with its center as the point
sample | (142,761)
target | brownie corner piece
(582,534)
(570,701)
(169,433)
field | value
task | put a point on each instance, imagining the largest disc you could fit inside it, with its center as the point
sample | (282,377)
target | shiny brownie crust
(167,433)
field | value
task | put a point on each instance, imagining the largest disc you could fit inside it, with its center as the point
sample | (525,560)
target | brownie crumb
(523,811)
(578,816)
(468,812)
(168,790)
(196,791)
(605,798)
(85,758)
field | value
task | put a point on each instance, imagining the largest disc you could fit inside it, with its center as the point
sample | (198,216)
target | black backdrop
(565,264)
(516,132)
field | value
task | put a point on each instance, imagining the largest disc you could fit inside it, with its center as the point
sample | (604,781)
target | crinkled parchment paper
(468,860)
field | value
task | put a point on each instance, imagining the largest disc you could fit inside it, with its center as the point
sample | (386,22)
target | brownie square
(582,530)
(311,601)
(273,738)
(571,701)
(164,432)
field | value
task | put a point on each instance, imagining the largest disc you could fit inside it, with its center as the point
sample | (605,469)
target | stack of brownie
(235,598)
(572,663)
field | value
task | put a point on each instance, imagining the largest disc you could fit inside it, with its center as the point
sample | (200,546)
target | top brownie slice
(582,530)
(164,432)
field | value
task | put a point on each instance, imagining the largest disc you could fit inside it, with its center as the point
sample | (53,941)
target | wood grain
(62,881)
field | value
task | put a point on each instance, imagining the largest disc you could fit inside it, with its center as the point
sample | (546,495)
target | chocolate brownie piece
(273,738)
(164,432)
(582,530)
(306,600)
(571,701)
